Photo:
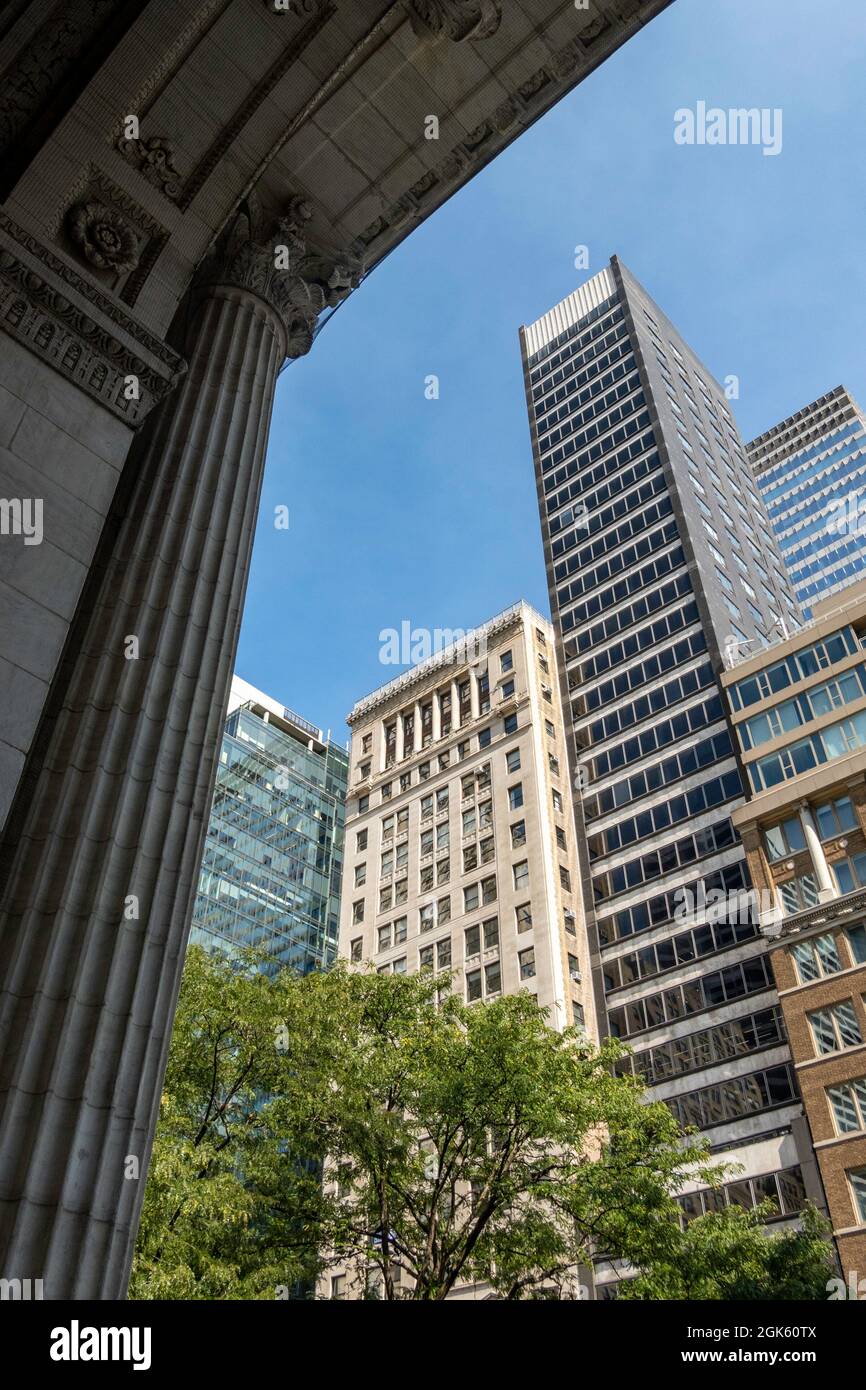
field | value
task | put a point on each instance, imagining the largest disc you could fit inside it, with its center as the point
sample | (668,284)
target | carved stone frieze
(154,158)
(64,319)
(456,19)
(273,258)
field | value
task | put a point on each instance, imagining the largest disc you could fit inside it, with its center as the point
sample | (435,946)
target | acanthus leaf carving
(154,158)
(457,20)
(274,259)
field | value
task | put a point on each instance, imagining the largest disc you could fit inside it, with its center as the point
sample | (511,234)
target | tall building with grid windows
(271,873)
(660,560)
(811,470)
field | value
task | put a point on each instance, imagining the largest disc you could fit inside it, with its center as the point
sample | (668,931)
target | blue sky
(404,508)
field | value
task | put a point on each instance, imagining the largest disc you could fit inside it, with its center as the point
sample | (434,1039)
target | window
(357,949)
(557,800)
(473,985)
(487,849)
(470,898)
(443,910)
(573,967)
(426,919)
(506,662)
(442,801)
(426,846)
(816,958)
(518,834)
(400,927)
(387,828)
(360,875)
(338,1286)
(488,890)
(857,1179)
(526,961)
(361,840)
(515,796)
(442,837)
(492,978)
(507,689)
(848,1105)
(363,804)
(363,772)
(472,941)
(358,910)
(443,953)
(470,858)
(850,873)
(523,914)
(490,933)
(783,840)
(835,817)
(469,821)
(443,871)
(834,1028)
(510,724)
(521,874)
(427,807)
(385,937)
(385,896)
(512,760)
(484,738)
(857,944)
(425,958)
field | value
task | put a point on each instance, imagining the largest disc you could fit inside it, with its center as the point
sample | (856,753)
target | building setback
(660,558)
(273,857)
(811,470)
(799,711)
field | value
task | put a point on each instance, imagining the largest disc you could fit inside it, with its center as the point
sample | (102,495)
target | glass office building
(661,564)
(811,470)
(273,859)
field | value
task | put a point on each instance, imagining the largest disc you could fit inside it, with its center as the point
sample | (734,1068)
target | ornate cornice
(525,104)
(273,259)
(456,19)
(63,318)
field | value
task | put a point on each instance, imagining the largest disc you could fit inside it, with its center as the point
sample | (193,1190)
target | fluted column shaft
(100,866)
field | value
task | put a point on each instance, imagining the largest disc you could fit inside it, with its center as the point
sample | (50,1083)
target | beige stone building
(799,711)
(460,848)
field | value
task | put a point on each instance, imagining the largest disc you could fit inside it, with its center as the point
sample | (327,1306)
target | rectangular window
(470,898)
(526,961)
(512,760)
(816,958)
(521,874)
(472,941)
(518,834)
(515,796)
(492,978)
(857,1179)
(523,915)
(848,1105)
(834,1028)
(473,985)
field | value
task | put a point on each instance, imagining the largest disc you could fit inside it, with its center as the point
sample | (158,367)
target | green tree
(464,1143)
(729,1255)
(230,1209)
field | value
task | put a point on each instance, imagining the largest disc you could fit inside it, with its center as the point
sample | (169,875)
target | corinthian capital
(274,259)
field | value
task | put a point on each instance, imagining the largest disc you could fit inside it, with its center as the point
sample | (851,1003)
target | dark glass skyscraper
(660,560)
(273,860)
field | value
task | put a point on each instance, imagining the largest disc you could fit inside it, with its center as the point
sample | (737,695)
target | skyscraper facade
(811,471)
(660,559)
(271,873)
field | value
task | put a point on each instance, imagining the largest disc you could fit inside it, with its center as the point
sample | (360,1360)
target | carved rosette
(296,279)
(456,19)
(103,237)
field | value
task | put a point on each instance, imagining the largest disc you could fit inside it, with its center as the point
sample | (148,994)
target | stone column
(101,860)
(826,885)
(437,716)
(418,737)
(474,697)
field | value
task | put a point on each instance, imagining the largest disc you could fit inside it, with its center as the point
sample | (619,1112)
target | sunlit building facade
(661,563)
